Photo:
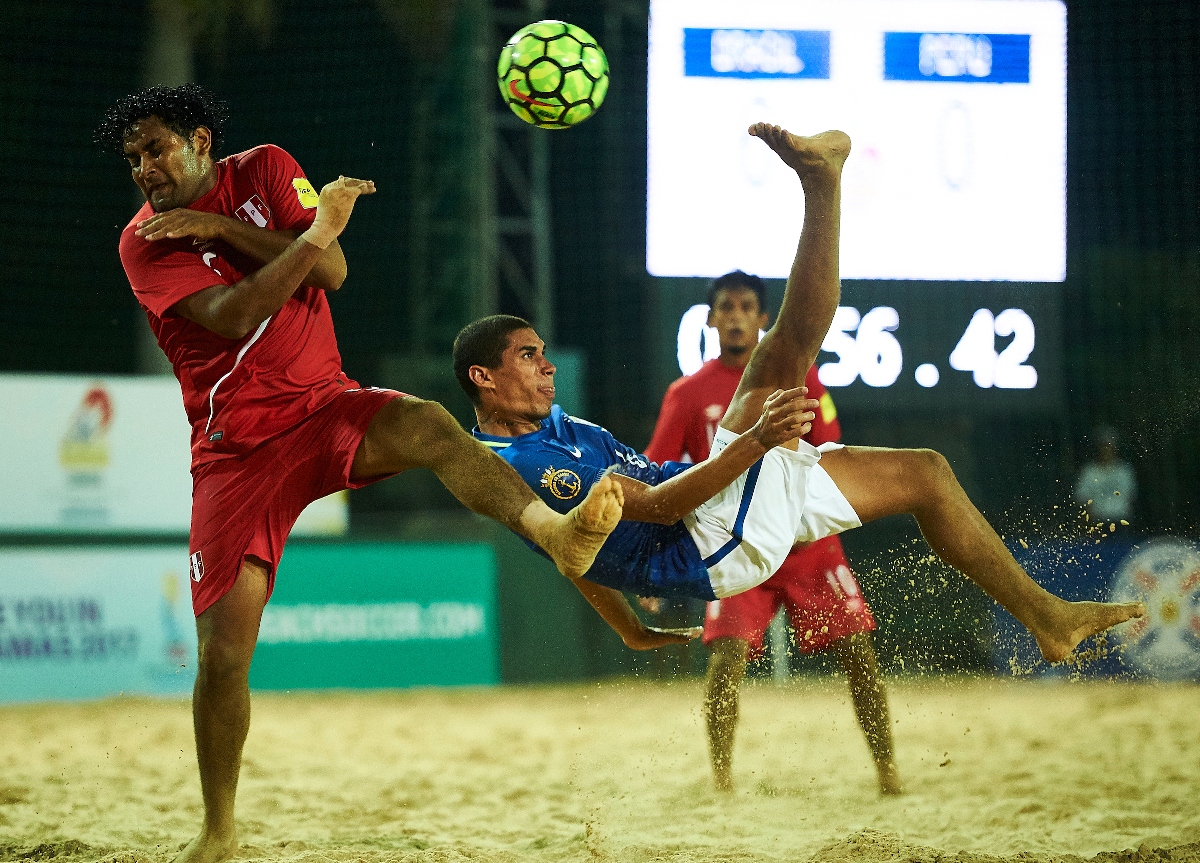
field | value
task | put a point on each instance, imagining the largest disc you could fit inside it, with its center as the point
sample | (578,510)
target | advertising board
(105,455)
(1161,572)
(89,621)
(83,622)
(380,615)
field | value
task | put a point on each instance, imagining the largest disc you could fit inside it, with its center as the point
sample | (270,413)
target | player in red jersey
(814,583)
(231,260)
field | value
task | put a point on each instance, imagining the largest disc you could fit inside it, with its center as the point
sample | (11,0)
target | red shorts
(817,588)
(246,506)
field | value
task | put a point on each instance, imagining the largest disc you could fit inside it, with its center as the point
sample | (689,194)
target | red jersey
(239,393)
(694,405)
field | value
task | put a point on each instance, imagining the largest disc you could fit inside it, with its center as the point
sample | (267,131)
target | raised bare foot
(1075,621)
(889,779)
(209,847)
(817,155)
(577,538)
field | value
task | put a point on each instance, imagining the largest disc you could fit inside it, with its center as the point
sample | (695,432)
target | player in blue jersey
(725,525)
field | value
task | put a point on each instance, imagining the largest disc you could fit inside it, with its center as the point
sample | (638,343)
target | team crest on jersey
(305,193)
(196,566)
(254,211)
(563,484)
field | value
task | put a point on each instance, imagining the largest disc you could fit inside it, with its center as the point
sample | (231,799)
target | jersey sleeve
(825,428)
(559,480)
(289,194)
(667,442)
(164,272)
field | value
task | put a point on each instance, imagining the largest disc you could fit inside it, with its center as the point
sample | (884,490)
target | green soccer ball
(552,74)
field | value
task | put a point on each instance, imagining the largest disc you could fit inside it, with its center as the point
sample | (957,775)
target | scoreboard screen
(901,346)
(957,110)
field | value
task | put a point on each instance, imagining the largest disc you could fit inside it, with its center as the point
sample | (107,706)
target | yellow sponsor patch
(305,192)
(828,411)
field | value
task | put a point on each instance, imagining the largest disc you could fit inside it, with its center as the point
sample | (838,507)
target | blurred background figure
(1107,485)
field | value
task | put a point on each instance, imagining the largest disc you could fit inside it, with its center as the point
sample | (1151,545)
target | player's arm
(263,244)
(614,608)
(235,310)
(786,415)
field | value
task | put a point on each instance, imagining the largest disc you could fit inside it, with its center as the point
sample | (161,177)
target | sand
(1016,770)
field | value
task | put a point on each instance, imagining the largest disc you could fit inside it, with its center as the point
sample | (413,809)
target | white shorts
(746,531)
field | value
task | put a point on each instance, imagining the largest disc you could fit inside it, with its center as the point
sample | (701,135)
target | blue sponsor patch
(755,53)
(984,58)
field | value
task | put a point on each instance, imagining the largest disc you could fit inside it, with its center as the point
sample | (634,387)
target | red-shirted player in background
(231,260)
(814,584)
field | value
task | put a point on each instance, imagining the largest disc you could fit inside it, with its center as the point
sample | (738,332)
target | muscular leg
(227,633)
(410,432)
(783,356)
(726,668)
(880,482)
(857,657)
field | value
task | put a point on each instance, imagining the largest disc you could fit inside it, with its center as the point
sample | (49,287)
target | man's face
(171,170)
(737,318)
(522,386)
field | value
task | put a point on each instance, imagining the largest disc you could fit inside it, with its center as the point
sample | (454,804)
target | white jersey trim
(213,392)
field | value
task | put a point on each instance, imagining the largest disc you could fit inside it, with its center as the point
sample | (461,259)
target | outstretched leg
(410,432)
(881,482)
(783,356)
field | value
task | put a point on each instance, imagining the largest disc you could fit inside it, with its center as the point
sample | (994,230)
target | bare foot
(889,780)
(1075,621)
(575,541)
(208,848)
(817,156)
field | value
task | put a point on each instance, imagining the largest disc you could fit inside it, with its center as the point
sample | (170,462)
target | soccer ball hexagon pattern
(552,74)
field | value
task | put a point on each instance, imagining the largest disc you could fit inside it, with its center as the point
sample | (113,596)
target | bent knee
(934,463)
(419,415)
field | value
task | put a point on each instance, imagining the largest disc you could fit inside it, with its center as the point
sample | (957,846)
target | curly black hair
(182,109)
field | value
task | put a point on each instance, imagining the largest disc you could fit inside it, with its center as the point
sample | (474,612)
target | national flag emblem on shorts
(196,566)
(254,211)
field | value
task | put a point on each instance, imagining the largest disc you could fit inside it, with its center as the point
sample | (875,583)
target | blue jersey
(566,457)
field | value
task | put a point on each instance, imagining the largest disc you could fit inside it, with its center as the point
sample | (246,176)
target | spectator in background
(1107,487)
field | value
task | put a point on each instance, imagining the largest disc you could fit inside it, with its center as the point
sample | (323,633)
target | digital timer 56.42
(867,349)
(936,345)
